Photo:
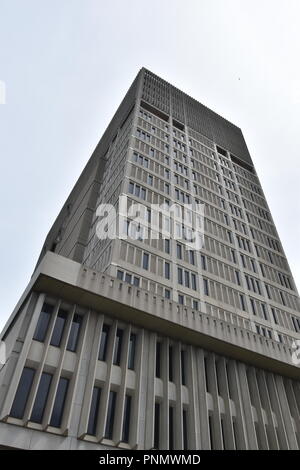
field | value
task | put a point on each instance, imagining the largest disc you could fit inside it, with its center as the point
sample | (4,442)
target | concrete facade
(142,344)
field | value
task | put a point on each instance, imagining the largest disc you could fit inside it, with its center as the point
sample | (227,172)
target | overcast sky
(68,63)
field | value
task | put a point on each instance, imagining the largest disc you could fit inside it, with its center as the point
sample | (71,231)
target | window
(183,371)
(146,261)
(181,299)
(23,390)
(193,281)
(203,262)
(128,278)
(41,398)
(118,347)
(184,429)
(179,276)
(59,328)
(109,427)
(167,294)
(179,251)
(167,245)
(136,281)
(120,275)
(156,425)
(195,304)
(150,180)
(93,417)
(206,287)
(167,270)
(59,403)
(74,333)
(126,419)
(43,322)
(170,363)
(192,257)
(158,360)
(103,343)
(171,428)
(131,352)
(242,300)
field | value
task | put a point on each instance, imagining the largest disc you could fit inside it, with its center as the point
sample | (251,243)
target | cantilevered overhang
(60,277)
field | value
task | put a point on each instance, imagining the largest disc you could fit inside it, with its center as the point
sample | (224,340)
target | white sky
(68,63)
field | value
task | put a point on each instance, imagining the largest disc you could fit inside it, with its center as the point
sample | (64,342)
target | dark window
(59,403)
(181,299)
(167,270)
(205,285)
(242,299)
(158,360)
(179,251)
(109,427)
(145,261)
(43,322)
(184,429)
(126,419)
(59,328)
(74,333)
(156,425)
(136,281)
(41,398)
(93,418)
(193,280)
(131,353)
(167,245)
(21,397)
(180,277)
(118,347)
(120,275)
(171,363)
(183,371)
(171,428)
(167,294)
(103,343)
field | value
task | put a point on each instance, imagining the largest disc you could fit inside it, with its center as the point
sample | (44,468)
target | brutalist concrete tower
(142,340)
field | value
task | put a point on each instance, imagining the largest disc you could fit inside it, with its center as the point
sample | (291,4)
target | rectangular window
(167,294)
(170,363)
(179,251)
(59,403)
(74,333)
(243,305)
(109,427)
(59,327)
(179,276)
(43,322)
(146,261)
(184,430)
(41,398)
(126,419)
(118,347)
(167,270)
(93,417)
(23,390)
(183,371)
(158,360)
(203,262)
(206,287)
(103,343)
(156,426)
(120,275)
(171,428)
(167,246)
(194,282)
(131,352)
(187,278)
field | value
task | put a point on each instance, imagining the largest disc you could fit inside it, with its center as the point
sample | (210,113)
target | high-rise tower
(143,340)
